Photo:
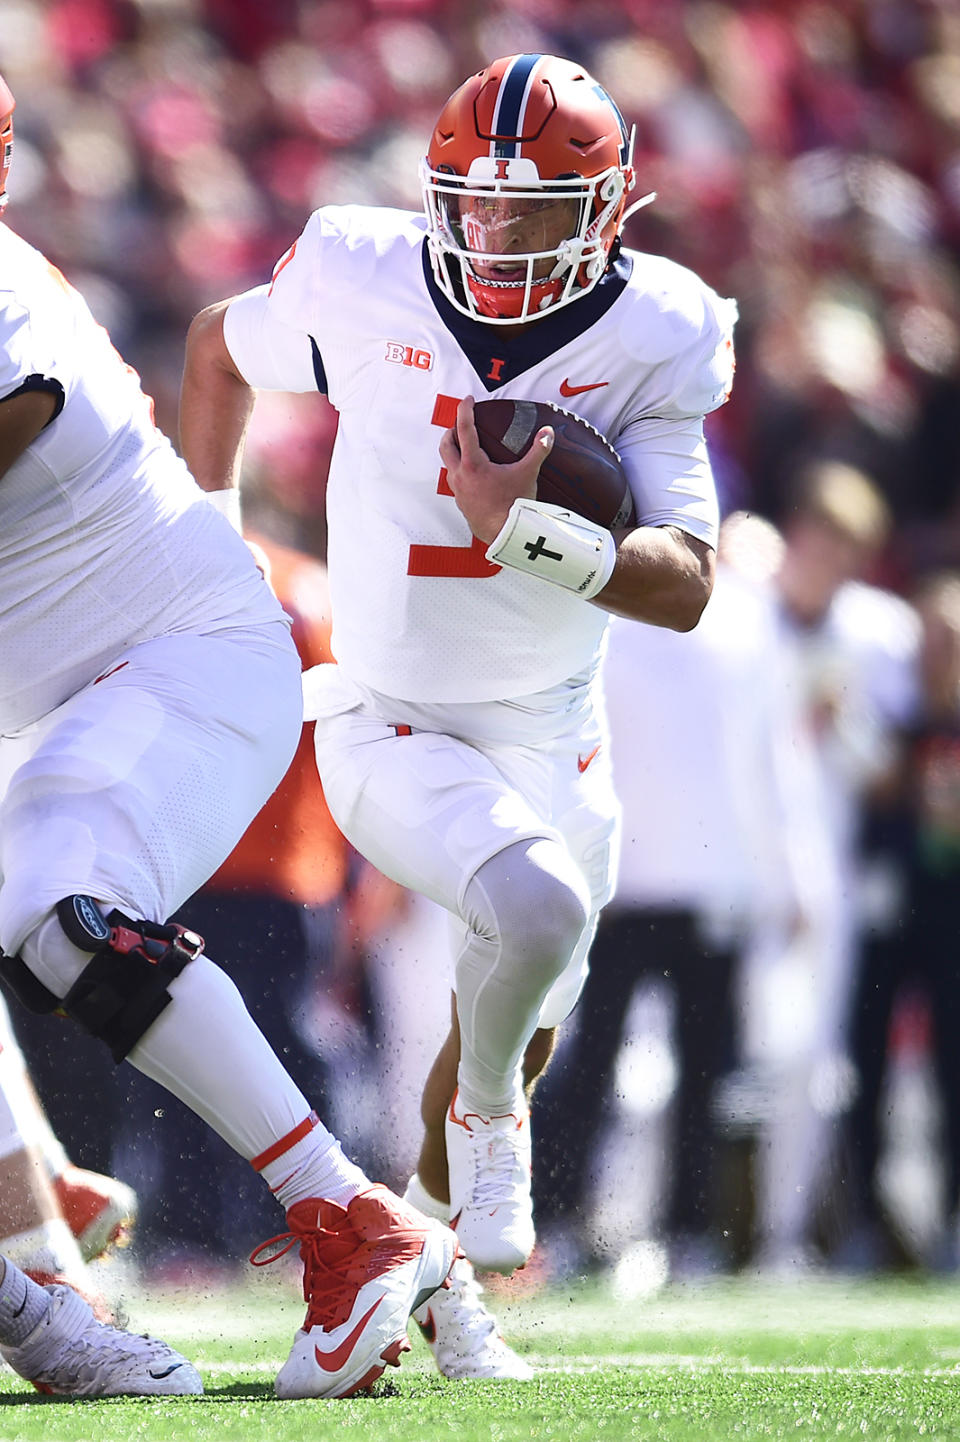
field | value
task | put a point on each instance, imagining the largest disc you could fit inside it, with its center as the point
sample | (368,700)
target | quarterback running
(460,738)
(150,703)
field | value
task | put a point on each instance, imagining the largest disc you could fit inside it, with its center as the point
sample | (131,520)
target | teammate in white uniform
(460,739)
(150,703)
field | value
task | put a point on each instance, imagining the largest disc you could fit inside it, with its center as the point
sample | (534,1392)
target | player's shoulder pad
(337,254)
(680,331)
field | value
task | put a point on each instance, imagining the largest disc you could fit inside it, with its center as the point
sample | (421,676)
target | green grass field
(732,1360)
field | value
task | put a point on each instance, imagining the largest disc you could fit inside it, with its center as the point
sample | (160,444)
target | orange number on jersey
(464,562)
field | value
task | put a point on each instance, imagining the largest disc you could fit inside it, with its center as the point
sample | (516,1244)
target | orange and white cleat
(366,1267)
(100,1211)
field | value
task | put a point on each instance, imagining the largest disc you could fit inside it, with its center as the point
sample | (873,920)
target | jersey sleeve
(669,471)
(268,329)
(702,377)
(15,348)
(681,340)
(268,353)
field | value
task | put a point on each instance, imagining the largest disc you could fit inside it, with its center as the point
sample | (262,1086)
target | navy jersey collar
(497,358)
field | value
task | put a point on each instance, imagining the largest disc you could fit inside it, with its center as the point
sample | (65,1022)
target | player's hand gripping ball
(583,472)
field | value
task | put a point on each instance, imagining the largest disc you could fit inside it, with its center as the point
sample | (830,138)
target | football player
(460,739)
(150,702)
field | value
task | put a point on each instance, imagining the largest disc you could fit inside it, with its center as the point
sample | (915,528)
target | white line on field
(654,1362)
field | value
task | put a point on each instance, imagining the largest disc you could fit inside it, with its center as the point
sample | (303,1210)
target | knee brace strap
(124,988)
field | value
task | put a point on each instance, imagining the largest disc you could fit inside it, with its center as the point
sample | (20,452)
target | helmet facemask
(507,249)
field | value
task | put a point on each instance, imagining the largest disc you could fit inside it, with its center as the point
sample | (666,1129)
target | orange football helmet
(7,103)
(524,185)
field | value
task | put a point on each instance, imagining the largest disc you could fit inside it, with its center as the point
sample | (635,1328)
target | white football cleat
(366,1267)
(70,1354)
(463,1334)
(100,1211)
(488,1159)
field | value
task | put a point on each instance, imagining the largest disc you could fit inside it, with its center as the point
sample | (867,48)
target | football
(583,472)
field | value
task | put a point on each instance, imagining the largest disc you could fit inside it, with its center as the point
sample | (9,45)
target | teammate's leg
(145,758)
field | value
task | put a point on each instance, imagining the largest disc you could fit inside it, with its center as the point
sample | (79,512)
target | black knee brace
(124,988)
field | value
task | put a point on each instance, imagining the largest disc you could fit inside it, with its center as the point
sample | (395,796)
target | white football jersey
(418,611)
(105,538)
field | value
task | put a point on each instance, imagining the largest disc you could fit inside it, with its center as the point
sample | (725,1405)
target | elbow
(692,600)
(688,616)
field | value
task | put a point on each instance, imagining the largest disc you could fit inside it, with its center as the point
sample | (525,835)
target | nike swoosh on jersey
(333,1361)
(584,761)
(566,389)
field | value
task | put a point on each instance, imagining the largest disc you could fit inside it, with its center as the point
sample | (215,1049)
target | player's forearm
(662,576)
(215,405)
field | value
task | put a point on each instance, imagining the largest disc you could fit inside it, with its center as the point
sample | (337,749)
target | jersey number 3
(465,562)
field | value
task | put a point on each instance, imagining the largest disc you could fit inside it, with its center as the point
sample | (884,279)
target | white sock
(311,1166)
(418,1196)
(206,1049)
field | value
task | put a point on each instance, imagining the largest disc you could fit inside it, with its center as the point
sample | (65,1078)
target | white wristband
(557,545)
(227,502)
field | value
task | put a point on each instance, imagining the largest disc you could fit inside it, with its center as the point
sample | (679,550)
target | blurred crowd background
(806,159)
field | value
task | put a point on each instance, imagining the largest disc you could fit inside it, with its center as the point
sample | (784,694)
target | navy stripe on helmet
(508,116)
(624,132)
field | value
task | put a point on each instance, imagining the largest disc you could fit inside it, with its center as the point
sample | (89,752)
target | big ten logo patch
(408,355)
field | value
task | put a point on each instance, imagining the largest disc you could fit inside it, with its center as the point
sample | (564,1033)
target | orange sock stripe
(286,1181)
(285,1143)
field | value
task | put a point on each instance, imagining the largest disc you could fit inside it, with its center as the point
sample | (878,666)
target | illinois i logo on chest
(399,354)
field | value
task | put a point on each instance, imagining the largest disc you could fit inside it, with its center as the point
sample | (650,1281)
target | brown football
(583,472)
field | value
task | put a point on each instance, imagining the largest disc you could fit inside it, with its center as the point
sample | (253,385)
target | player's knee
(110,973)
(557,916)
(540,901)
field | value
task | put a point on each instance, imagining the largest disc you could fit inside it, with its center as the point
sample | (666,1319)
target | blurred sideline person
(151,702)
(50,1336)
(854,647)
(921,814)
(459,738)
(713,762)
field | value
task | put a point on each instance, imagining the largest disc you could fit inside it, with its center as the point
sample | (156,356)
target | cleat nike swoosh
(429,1328)
(333,1361)
(159,1376)
(566,389)
(584,761)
